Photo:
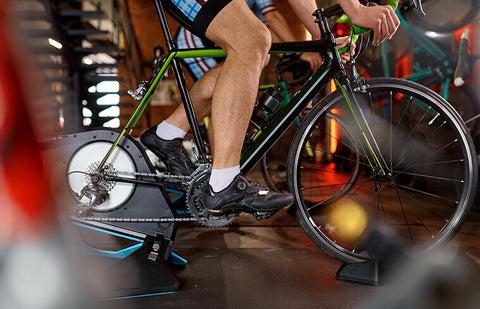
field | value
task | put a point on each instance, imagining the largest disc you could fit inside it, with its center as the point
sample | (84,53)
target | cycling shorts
(195,15)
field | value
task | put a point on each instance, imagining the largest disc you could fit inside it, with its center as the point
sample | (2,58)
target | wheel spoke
(424,192)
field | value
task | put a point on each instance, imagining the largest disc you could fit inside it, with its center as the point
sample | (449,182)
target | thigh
(236,25)
(199,65)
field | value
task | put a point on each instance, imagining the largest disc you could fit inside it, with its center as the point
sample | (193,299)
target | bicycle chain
(139,220)
(161,176)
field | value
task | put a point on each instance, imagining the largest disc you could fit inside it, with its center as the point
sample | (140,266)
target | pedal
(259,215)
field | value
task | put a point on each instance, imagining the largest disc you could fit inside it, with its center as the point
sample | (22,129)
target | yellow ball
(347,220)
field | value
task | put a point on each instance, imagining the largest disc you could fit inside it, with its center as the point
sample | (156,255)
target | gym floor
(273,264)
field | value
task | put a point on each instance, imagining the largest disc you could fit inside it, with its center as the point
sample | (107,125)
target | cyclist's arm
(277,23)
(304,10)
(381,19)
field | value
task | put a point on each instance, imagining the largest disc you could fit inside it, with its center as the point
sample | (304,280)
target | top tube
(322,46)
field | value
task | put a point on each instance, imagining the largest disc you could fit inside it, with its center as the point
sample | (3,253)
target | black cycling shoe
(247,196)
(171,152)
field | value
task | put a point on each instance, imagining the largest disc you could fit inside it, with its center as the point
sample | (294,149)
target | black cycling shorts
(195,15)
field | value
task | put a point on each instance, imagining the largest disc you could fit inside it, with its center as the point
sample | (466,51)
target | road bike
(414,169)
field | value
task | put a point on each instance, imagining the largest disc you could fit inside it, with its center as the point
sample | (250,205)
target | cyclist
(232,25)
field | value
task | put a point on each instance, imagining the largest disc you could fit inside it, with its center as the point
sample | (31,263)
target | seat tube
(189,110)
(181,83)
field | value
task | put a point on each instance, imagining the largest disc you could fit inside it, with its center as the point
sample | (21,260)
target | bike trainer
(135,253)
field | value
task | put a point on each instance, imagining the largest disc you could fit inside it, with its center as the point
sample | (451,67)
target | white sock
(221,178)
(169,132)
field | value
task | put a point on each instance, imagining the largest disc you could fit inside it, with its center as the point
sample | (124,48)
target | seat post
(171,45)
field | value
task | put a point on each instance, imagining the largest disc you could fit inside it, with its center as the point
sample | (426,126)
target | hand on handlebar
(314,59)
(381,19)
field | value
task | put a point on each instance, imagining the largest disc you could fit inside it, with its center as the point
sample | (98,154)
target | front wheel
(426,147)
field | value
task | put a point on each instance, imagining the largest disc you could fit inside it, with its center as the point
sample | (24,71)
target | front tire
(425,144)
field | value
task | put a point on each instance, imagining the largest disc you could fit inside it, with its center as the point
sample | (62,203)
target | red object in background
(25,180)
(341,29)
(457,34)
(404,66)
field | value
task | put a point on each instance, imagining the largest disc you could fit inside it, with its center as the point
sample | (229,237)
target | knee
(260,45)
(267,59)
(254,47)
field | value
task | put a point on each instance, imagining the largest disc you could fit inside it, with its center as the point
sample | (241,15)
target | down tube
(254,153)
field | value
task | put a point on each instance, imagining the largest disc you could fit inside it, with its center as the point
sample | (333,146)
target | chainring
(194,200)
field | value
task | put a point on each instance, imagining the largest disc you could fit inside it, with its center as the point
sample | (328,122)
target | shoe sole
(248,210)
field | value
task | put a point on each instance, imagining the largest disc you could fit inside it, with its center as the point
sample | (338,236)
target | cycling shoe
(171,152)
(247,196)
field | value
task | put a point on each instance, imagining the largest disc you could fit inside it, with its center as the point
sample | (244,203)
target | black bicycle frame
(252,154)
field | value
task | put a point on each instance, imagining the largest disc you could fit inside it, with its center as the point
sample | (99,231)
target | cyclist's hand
(314,59)
(342,42)
(381,19)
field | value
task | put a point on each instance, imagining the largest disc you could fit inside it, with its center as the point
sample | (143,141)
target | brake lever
(418,6)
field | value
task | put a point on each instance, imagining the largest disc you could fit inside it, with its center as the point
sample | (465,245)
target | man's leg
(233,86)
(247,41)
(201,94)
(165,140)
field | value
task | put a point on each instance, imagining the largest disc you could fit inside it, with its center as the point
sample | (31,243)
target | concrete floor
(270,265)
(273,264)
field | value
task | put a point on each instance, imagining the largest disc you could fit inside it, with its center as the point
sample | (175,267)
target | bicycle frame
(332,67)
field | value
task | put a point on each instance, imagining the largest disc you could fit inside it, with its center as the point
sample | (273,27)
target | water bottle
(264,110)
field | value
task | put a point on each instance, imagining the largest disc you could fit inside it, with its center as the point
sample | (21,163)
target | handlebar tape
(464,64)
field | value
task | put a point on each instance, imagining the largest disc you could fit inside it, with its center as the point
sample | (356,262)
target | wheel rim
(427,197)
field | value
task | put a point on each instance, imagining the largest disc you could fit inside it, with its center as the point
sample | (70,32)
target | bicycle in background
(422,51)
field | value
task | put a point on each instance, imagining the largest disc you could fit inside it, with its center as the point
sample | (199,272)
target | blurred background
(91,52)
(66,66)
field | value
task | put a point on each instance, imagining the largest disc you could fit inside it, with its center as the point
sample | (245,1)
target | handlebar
(356,29)
(359,30)
(337,10)
(465,62)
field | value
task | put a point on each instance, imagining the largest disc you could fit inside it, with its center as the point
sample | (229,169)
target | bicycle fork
(362,133)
